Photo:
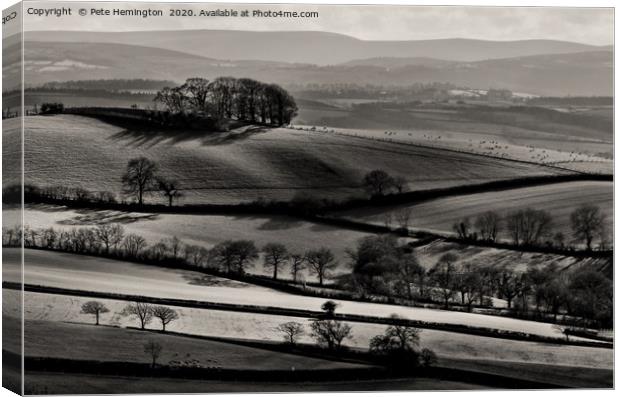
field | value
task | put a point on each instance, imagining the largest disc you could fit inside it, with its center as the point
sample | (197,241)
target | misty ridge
(540,67)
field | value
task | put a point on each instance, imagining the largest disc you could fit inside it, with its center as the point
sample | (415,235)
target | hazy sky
(586,25)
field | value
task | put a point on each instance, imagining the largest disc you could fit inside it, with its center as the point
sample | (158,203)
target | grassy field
(243,165)
(104,343)
(560,199)
(206,230)
(52,383)
(47,308)
(519,135)
(96,274)
(429,254)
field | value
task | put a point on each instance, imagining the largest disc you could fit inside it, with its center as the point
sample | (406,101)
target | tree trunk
(275,272)
(97,318)
(163,326)
(170,201)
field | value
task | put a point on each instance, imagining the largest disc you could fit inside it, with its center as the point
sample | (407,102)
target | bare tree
(140,310)
(153,349)
(110,235)
(330,333)
(508,286)
(174,246)
(406,270)
(321,261)
(396,337)
(403,217)
(488,225)
(462,228)
(528,226)
(196,255)
(292,331)
(133,245)
(139,177)
(378,182)
(165,314)
(443,275)
(586,222)
(96,308)
(276,255)
(173,99)
(196,90)
(298,262)
(400,183)
(169,188)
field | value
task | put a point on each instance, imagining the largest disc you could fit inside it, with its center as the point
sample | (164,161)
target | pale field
(506,134)
(242,165)
(568,152)
(206,230)
(429,254)
(80,272)
(263,327)
(559,199)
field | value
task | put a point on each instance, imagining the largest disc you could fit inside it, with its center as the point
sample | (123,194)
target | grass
(243,165)
(517,134)
(559,199)
(46,308)
(429,255)
(104,343)
(53,383)
(207,230)
(96,274)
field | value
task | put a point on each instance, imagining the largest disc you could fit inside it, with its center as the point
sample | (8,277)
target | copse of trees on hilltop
(228,97)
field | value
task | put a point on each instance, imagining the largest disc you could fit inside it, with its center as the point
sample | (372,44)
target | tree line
(230,256)
(228,97)
(526,227)
(397,346)
(530,227)
(380,266)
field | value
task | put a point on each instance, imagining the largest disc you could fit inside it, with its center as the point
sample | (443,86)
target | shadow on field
(212,281)
(138,137)
(97,217)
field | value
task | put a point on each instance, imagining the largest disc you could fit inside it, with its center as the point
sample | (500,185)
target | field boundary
(48,364)
(280,311)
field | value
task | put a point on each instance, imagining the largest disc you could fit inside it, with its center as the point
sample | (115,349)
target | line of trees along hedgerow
(228,97)
(380,267)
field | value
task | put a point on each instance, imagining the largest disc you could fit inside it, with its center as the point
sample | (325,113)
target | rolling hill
(244,164)
(583,73)
(559,199)
(313,47)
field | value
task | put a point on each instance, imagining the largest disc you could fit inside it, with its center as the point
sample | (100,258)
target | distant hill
(585,73)
(321,48)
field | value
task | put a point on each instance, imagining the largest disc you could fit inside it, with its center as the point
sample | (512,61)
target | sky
(584,25)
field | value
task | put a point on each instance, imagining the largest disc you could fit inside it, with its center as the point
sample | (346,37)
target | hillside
(313,46)
(498,258)
(583,73)
(245,164)
(559,199)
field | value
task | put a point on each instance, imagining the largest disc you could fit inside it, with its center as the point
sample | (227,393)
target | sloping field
(63,270)
(523,135)
(246,164)
(89,342)
(45,308)
(560,199)
(206,230)
(429,255)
